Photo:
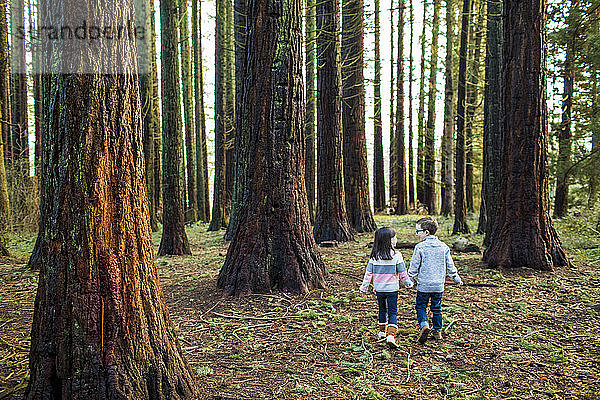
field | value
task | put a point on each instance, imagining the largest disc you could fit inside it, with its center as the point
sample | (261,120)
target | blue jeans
(436,309)
(388,307)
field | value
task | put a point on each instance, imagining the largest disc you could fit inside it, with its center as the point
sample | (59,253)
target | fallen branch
(480,284)
(348,275)
(256,318)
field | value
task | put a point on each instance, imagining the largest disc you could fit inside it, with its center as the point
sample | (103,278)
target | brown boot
(437,335)
(381,334)
(423,334)
(391,337)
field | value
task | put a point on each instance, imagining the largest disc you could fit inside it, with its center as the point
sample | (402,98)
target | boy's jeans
(436,309)
(388,307)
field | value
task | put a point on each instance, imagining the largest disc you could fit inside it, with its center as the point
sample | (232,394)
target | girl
(384,268)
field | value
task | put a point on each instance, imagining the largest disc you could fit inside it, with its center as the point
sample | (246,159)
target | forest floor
(535,335)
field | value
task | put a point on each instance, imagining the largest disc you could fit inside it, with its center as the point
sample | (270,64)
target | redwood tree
(447,206)
(399,149)
(421,113)
(20,143)
(331,222)
(174,239)
(356,175)
(378,167)
(311,105)
(523,234)
(272,246)
(100,328)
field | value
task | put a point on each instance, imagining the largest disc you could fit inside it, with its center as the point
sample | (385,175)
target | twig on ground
(408,366)
(255,318)
(248,327)
(348,275)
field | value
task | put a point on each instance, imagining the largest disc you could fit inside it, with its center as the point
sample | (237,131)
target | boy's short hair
(428,224)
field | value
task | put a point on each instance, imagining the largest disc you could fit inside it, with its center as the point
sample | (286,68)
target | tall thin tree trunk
(5,106)
(523,234)
(411,158)
(199,118)
(493,135)
(230,106)
(392,154)
(421,115)
(19,94)
(594,185)
(401,195)
(331,222)
(174,238)
(378,168)
(460,206)
(311,106)
(272,245)
(356,174)
(4,202)
(447,206)
(218,211)
(429,196)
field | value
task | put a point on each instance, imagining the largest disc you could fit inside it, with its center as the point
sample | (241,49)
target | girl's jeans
(436,309)
(388,307)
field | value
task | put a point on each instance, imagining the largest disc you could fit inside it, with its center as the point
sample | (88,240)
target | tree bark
(230,106)
(174,238)
(429,196)
(411,158)
(311,106)
(460,211)
(4,202)
(421,116)
(5,106)
(356,174)
(18,77)
(331,222)
(378,167)
(493,135)
(392,154)
(523,234)
(272,245)
(400,151)
(200,123)
(594,185)
(447,206)
(100,328)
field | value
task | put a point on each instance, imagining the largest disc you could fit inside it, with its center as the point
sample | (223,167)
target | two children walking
(430,263)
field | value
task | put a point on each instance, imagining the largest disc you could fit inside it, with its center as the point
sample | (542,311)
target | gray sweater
(430,263)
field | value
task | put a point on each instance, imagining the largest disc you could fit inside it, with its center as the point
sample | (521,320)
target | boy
(430,263)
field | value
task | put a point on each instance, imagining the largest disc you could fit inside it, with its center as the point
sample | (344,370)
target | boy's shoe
(437,335)
(391,337)
(423,334)
(381,334)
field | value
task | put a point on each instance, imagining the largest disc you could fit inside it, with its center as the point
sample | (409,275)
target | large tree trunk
(174,239)
(331,222)
(218,209)
(272,245)
(230,106)
(392,153)
(561,194)
(460,209)
(311,106)
(429,197)
(399,150)
(191,211)
(146,52)
(493,135)
(421,116)
(523,235)
(19,99)
(378,168)
(411,158)
(100,328)
(200,124)
(447,206)
(5,108)
(471,106)
(356,173)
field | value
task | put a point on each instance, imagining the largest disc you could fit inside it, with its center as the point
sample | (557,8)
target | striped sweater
(385,274)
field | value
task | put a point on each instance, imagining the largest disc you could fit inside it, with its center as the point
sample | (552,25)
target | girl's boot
(381,334)
(391,336)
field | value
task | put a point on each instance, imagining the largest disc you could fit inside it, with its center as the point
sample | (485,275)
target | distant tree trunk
(392,154)
(421,116)
(594,185)
(174,239)
(493,135)
(191,210)
(5,107)
(401,197)
(19,94)
(218,211)
(272,245)
(561,194)
(472,95)
(200,124)
(429,197)
(460,211)
(411,158)
(229,120)
(311,106)
(523,235)
(101,328)
(5,218)
(356,173)
(447,207)
(146,54)
(378,168)
(331,222)
(4,203)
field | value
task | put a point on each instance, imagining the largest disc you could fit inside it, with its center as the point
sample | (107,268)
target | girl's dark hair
(382,245)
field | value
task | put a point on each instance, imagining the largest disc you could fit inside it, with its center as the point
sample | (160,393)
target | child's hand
(408,283)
